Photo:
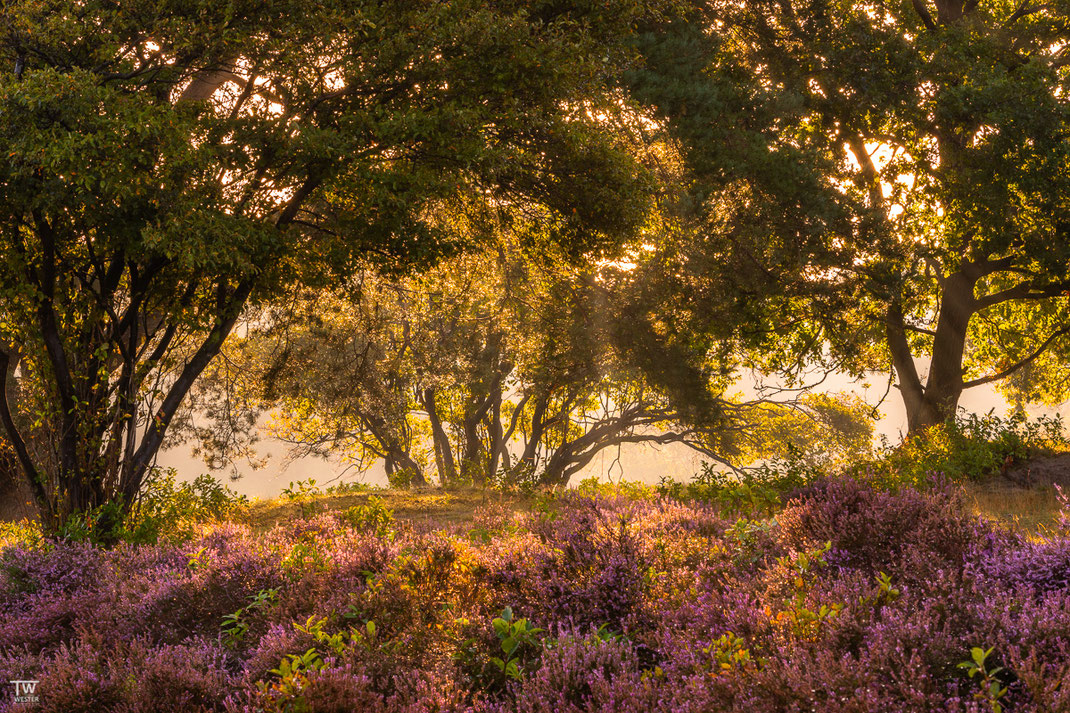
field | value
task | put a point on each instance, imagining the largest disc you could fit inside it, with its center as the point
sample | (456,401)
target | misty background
(641,462)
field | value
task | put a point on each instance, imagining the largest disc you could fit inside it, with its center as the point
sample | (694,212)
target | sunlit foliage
(167,165)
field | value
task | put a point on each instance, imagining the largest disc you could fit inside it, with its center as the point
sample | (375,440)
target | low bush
(753,491)
(969,448)
(172,510)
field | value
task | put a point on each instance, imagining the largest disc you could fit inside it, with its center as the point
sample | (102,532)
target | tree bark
(447,467)
(396,453)
(937,400)
(944,385)
(497,440)
(15,491)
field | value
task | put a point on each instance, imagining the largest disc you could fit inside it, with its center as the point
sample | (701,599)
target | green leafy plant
(291,675)
(372,516)
(745,537)
(604,634)
(521,478)
(991,688)
(198,560)
(514,636)
(625,488)
(170,510)
(885,591)
(25,532)
(753,491)
(236,625)
(970,448)
(303,493)
(349,488)
(402,478)
(728,652)
(365,636)
(803,620)
(304,556)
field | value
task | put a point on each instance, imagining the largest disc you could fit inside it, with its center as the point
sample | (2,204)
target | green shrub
(24,532)
(520,478)
(751,491)
(373,517)
(349,488)
(303,493)
(401,478)
(172,511)
(970,448)
(625,488)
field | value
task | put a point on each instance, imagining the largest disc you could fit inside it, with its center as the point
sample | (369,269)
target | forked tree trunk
(936,401)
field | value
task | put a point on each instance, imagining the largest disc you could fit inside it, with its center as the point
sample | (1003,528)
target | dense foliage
(850,600)
(169,165)
(497,367)
(879,182)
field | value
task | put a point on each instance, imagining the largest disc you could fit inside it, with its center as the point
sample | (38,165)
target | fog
(640,462)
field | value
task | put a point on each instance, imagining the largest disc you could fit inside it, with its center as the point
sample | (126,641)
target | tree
(498,365)
(882,184)
(168,165)
(490,363)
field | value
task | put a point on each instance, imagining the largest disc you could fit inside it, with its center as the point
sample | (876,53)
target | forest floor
(429,507)
(1025,498)
(1026,495)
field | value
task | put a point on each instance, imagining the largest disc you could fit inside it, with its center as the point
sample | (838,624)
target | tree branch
(16,439)
(1024,362)
(924,14)
(1022,292)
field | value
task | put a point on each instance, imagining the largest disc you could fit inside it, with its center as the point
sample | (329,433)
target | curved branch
(1024,362)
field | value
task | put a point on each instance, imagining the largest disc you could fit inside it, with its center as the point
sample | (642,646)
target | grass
(435,507)
(1033,509)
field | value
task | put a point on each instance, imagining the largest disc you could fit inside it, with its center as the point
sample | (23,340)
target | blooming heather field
(850,600)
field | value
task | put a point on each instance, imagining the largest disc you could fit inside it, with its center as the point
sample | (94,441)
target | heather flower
(851,600)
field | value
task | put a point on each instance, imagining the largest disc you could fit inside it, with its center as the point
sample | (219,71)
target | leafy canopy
(880,182)
(167,164)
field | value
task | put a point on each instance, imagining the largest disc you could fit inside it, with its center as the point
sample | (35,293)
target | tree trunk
(937,400)
(470,461)
(398,460)
(447,468)
(16,500)
(497,444)
(44,498)
(554,474)
(944,386)
(396,455)
(538,428)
